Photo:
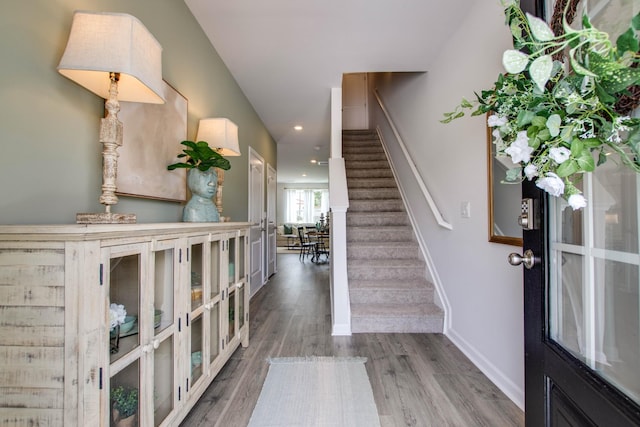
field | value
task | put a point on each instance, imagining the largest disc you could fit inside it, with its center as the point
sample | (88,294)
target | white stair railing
(423,187)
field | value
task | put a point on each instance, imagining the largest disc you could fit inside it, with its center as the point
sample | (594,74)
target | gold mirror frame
(493,189)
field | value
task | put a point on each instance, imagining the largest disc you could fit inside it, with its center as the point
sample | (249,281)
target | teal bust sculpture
(203,186)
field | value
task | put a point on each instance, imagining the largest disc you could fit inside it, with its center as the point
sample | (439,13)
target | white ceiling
(286,55)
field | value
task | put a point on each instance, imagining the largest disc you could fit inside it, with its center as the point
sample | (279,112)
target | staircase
(386,270)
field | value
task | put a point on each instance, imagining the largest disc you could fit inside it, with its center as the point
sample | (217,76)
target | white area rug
(316,391)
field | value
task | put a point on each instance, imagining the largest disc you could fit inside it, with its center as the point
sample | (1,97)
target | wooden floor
(417,379)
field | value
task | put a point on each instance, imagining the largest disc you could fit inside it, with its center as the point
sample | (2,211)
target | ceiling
(286,55)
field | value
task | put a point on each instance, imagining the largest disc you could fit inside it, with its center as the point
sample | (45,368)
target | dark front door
(582,300)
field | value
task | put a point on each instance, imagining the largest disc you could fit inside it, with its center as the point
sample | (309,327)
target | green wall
(50,163)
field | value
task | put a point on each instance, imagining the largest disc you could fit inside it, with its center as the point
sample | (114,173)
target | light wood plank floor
(417,379)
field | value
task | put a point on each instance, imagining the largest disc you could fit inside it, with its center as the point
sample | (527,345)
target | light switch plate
(465,209)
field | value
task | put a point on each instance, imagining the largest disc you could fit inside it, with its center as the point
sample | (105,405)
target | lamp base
(105,218)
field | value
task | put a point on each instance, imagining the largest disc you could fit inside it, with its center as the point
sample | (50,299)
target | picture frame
(151,141)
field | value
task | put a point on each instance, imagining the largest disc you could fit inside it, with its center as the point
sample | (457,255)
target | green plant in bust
(125,401)
(555,108)
(199,155)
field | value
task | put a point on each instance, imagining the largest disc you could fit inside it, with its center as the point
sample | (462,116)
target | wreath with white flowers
(554,111)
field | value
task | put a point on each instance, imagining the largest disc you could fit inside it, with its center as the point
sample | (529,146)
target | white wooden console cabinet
(183,284)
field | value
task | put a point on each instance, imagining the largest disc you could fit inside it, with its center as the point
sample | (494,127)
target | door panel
(271,220)
(582,305)
(256,231)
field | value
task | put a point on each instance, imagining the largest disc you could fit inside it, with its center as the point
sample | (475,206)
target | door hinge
(187,254)
(100,379)
(101,274)
(180,256)
(187,389)
(187,324)
(179,324)
(179,393)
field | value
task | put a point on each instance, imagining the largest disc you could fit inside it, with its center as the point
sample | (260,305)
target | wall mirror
(504,199)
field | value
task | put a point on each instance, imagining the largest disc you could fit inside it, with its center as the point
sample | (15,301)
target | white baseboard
(508,387)
(341,330)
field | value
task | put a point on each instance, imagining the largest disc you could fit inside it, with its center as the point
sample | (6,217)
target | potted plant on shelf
(125,405)
(557,111)
(202,180)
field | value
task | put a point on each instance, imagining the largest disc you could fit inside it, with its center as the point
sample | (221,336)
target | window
(305,205)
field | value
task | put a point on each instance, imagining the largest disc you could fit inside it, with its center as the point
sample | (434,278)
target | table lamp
(114,56)
(222,135)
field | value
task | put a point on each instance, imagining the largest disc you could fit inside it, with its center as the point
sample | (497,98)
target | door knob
(528,259)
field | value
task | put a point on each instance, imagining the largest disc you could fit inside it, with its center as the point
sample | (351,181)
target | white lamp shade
(100,43)
(221,134)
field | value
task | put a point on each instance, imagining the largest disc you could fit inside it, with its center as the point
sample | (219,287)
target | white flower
(531,171)
(519,150)
(559,154)
(577,201)
(495,121)
(117,313)
(552,184)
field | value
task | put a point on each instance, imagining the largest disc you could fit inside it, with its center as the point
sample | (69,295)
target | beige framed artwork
(151,141)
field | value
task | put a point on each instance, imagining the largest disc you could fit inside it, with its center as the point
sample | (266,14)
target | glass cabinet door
(122,272)
(124,303)
(232,253)
(241,301)
(215,297)
(164,342)
(196,259)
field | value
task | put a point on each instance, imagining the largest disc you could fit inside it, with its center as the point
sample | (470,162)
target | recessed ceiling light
(304,174)
(314,161)
(298,127)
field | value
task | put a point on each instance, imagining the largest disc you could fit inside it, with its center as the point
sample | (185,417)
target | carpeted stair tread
(383,250)
(377,219)
(366,164)
(369,173)
(419,284)
(374,194)
(371,183)
(386,205)
(407,318)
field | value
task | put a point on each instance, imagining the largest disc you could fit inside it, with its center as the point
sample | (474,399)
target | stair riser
(380,219)
(365,234)
(376,205)
(373,193)
(367,296)
(370,182)
(371,252)
(398,325)
(370,173)
(366,164)
(352,152)
(364,157)
(368,273)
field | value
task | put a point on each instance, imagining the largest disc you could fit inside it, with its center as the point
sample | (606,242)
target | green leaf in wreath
(514,61)
(567,168)
(539,121)
(553,124)
(612,76)
(602,158)
(585,161)
(524,118)
(635,22)
(540,70)
(577,67)
(540,29)
(627,42)
(591,142)
(567,133)
(577,146)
